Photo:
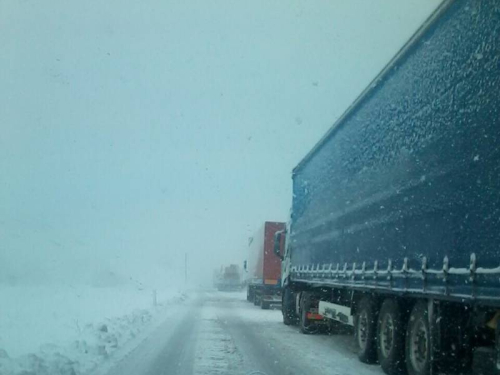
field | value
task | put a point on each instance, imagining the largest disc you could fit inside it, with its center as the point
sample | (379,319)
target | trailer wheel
(288,307)
(306,326)
(418,341)
(365,330)
(249,295)
(264,305)
(391,337)
(256,299)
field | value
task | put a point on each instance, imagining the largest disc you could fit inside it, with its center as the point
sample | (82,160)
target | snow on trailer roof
(382,76)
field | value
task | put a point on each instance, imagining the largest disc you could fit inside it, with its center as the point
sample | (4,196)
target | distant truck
(395,220)
(229,278)
(263,267)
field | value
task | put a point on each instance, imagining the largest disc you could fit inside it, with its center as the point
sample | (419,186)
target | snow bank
(71,330)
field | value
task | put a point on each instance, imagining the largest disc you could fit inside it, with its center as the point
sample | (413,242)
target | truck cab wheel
(391,337)
(365,330)
(418,341)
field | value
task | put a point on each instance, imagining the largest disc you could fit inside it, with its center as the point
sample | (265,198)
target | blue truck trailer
(395,220)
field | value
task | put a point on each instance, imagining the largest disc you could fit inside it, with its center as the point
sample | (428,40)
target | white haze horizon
(134,133)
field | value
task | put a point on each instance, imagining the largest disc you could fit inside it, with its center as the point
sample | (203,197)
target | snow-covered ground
(209,333)
(220,333)
(74,329)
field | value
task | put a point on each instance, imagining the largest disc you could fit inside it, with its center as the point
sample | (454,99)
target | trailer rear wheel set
(403,335)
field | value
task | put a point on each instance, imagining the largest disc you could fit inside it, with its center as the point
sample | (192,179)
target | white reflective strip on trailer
(336,312)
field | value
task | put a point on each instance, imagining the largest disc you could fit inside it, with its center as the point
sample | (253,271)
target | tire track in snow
(215,352)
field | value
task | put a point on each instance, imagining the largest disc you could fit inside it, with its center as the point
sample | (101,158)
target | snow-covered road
(221,333)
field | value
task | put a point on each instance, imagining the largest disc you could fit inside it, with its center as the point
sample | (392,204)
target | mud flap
(497,349)
(450,337)
(435,334)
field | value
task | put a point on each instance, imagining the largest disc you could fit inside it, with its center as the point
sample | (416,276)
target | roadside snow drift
(72,330)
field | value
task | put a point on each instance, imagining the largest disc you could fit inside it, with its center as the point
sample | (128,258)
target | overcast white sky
(135,131)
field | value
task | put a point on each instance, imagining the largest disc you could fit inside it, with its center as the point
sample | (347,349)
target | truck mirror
(245,265)
(277,244)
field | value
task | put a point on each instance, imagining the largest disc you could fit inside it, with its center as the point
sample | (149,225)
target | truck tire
(418,341)
(306,326)
(264,305)
(256,299)
(365,330)
(250,295)
(391,329)
(288,307)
